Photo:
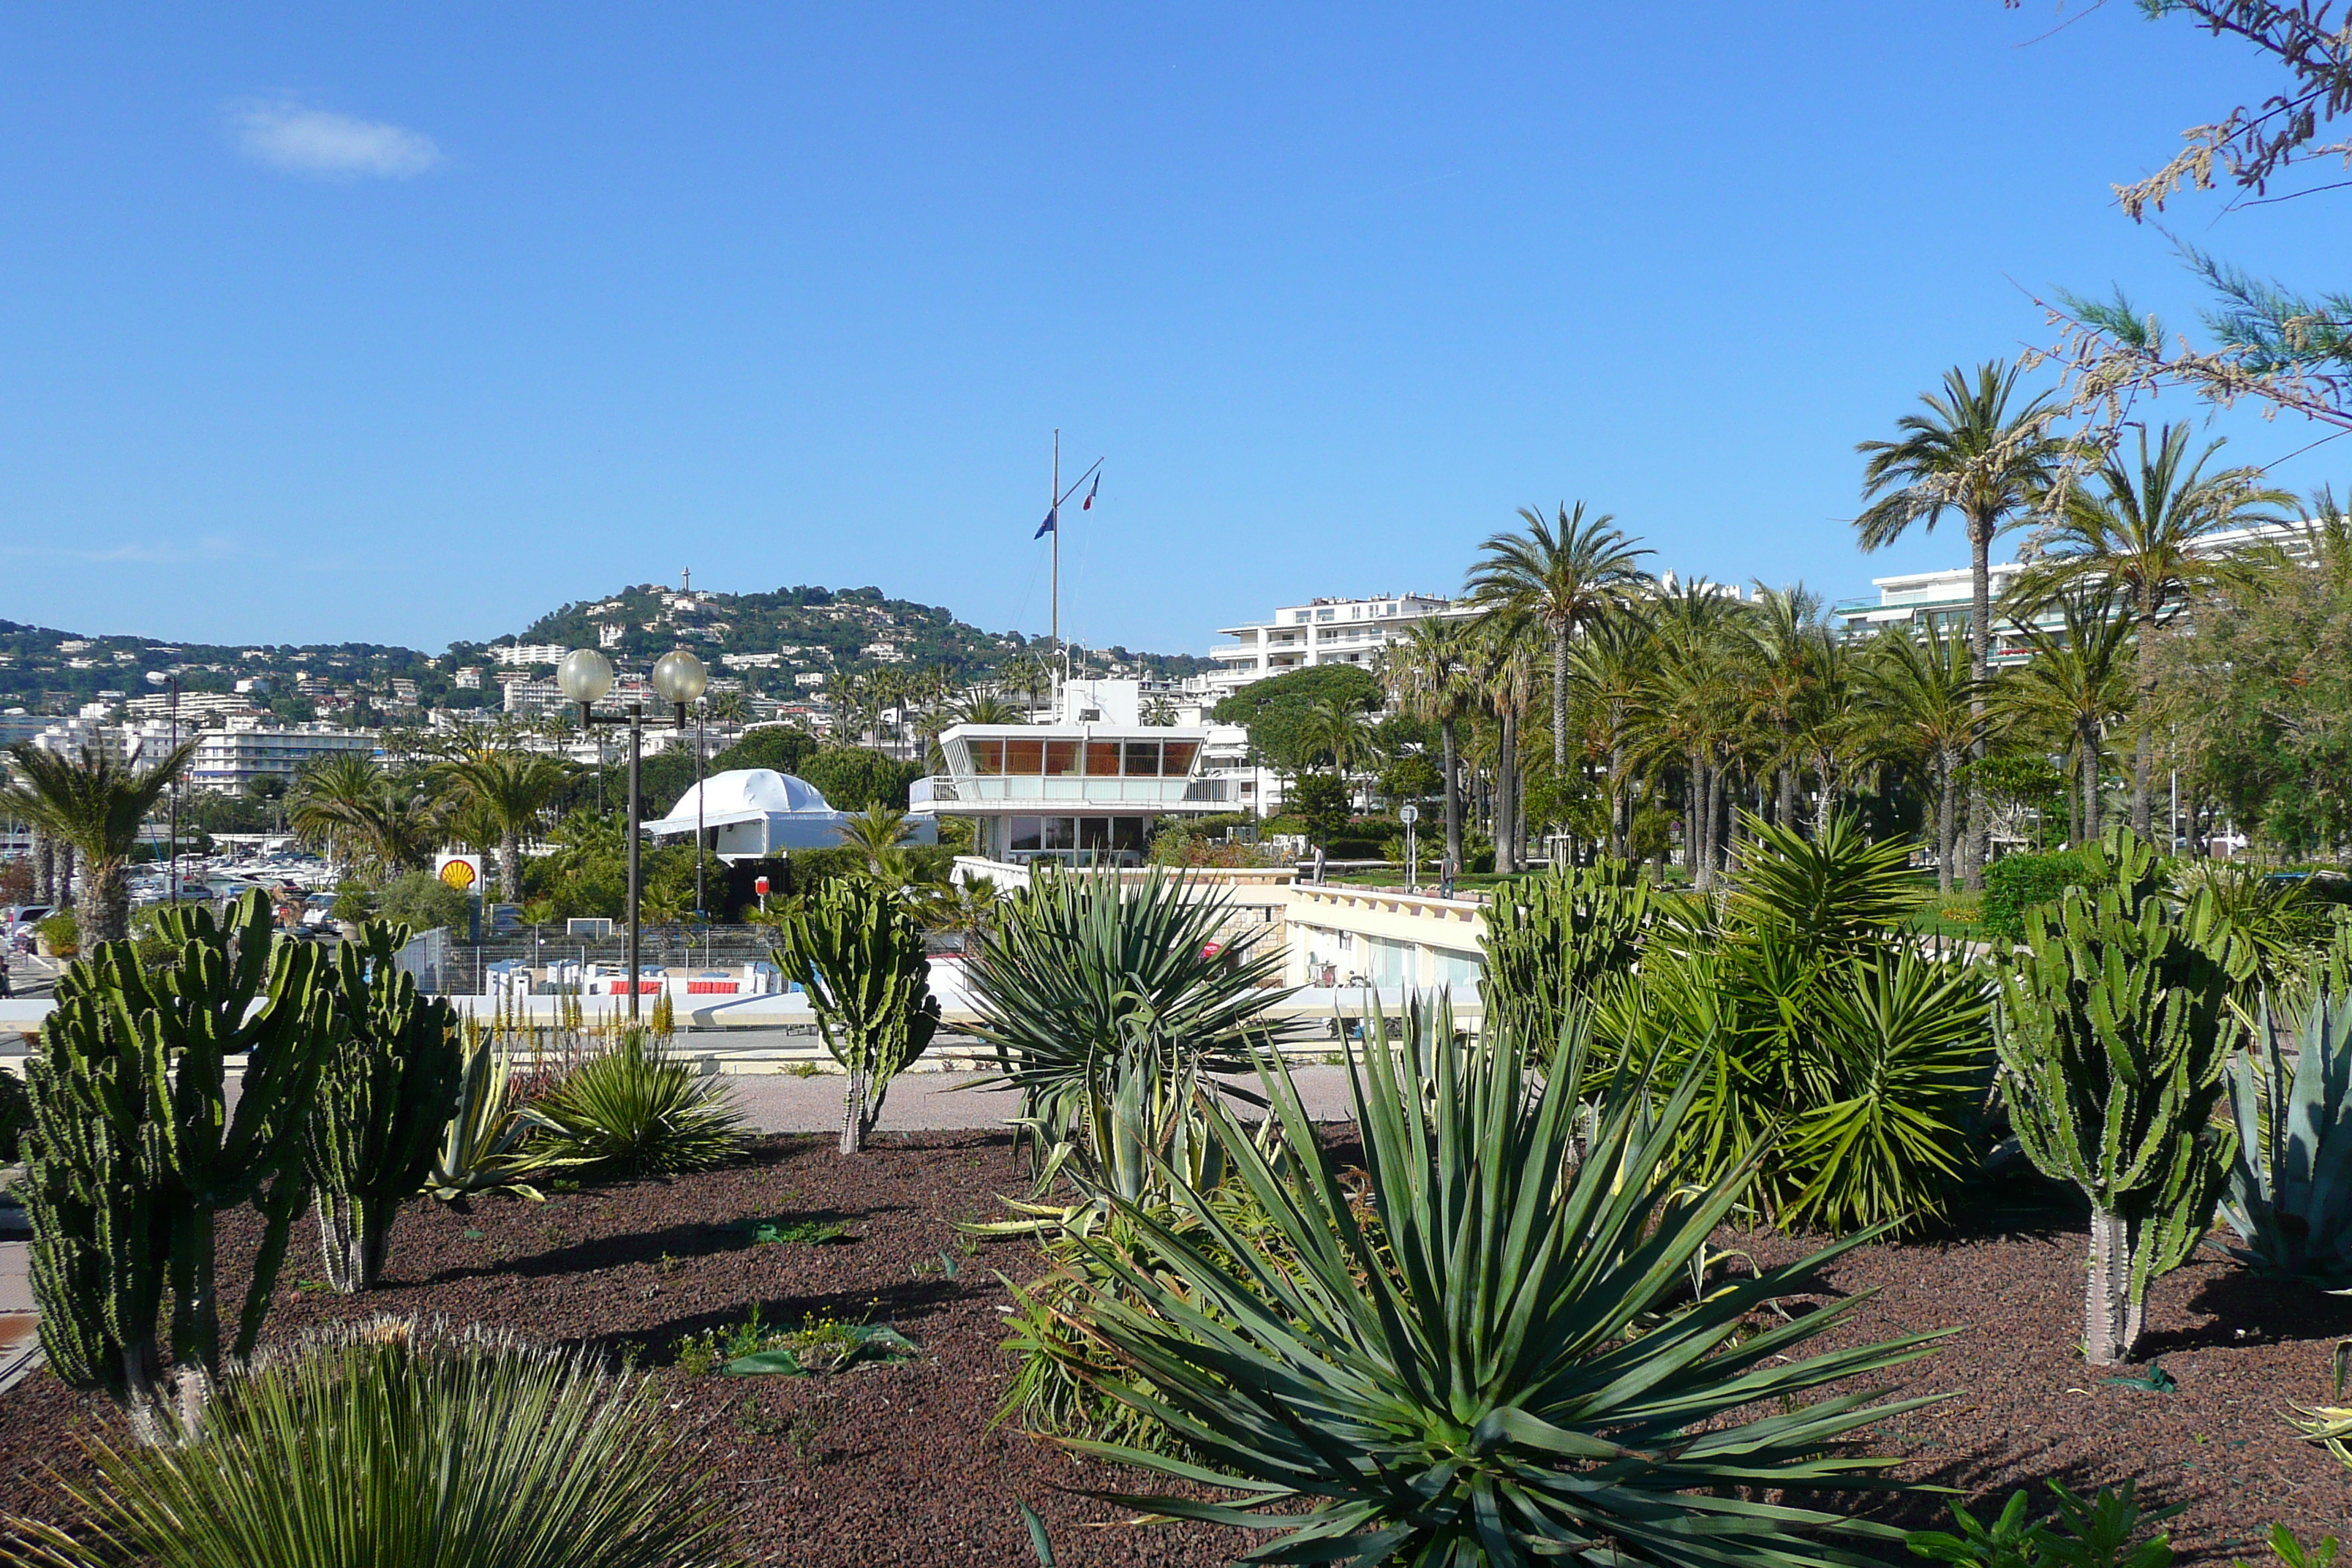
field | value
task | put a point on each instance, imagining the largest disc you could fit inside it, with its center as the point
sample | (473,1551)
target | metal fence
(446,964)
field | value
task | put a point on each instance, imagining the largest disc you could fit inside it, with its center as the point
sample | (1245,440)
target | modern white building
(746,814)
(1920,601)
(522,655)
(1075,792)
(1321,631)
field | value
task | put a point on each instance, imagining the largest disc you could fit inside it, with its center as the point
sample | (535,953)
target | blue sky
(405,323)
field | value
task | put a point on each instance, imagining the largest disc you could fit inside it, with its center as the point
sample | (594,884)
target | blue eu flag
(1047,526)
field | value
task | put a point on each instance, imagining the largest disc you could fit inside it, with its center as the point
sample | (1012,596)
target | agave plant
(1834,893)
(635,1112)
(1496,1358)
(2290,1190)
(380,1444)
(482,1147)
(1088,981)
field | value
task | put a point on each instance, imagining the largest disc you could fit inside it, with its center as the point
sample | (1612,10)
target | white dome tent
(748,813)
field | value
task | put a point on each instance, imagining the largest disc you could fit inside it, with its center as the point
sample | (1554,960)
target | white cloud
(304,141)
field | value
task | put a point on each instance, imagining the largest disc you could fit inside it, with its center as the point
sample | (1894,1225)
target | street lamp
(159,677)
(584,677)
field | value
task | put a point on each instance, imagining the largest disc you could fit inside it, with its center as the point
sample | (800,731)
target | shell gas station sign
(462,872)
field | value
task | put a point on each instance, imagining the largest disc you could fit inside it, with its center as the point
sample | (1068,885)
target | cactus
(386,1095)
(2290,1193)
(1551,939)
(859,952)
(2114,1030)
(133,1152)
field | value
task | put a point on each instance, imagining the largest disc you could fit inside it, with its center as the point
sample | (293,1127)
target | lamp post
(172,681)
(585,675)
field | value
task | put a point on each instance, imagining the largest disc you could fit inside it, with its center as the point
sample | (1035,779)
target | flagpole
(1055,511)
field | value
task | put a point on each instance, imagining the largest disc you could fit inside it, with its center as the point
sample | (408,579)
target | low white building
(745,814)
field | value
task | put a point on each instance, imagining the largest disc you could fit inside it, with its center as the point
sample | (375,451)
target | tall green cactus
(385,1096)
(2114,1030)
(859,954)
(134,1151)
(1552,939)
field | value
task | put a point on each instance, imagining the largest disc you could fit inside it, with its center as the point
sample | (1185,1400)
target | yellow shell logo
(458,874)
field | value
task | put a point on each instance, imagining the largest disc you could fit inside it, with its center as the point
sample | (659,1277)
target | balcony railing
(1012,793)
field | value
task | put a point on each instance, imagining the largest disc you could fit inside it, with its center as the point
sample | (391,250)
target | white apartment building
(194,707)
(522,655)
(1321,631)
(1942,600)
(228,760)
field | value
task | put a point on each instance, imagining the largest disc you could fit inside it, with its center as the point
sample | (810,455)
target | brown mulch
(901,1465)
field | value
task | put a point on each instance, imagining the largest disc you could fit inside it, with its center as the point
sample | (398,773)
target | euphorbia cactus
(134,1151)
(2115,1028)
(387,1092)
(859,954)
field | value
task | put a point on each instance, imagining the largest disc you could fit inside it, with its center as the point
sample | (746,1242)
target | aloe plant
(632,1111)
(385,1096)
(2114,1027)
(134,1152)
(2290,1190)
(857,950)
(1496,1356)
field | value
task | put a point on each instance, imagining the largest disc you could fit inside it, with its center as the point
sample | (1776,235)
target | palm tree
(2138,532)
(1928,703)
(1430,671)
(1787,642)
(988,708)
(1505,673)
(1026,672)
(876,831)
(509,789)
(95,804)
(1971,455)
(2077,683)
(1564,578)
(1159,713)
(329,795)
(1690,707)
(726,707)
(1341,734)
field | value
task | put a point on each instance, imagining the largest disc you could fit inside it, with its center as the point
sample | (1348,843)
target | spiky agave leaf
(633,1111)
(1501,1364)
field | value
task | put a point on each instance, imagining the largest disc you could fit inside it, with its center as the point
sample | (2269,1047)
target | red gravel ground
(901,1465)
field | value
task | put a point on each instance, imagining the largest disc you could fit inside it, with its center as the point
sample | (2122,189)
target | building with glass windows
(1078,793)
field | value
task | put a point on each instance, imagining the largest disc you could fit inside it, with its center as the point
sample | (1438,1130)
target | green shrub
(16,1115)
(633,1111)
(379,1444)
(2016,883)
(354,902)
(1518,1320)
(2095,1533)
(62,932)
(422,901)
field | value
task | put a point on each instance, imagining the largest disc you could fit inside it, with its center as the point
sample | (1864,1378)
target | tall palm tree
(1564,577)
(2077,683)
(726,707)
(1691,707)
(1970,454)
(1787,644)
(1927,703)
(1027,674)
(2137,528)
(1431,676)
(1608,666)
(95,803)
(1505,673)
(510,790)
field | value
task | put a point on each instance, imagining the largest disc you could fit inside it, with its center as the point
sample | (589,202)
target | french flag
(1088,504)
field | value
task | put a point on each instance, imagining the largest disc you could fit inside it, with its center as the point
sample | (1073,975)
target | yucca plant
(386,1092)
(2114,1027)
(2289,1196)
(1496,1358)
(1551,940)
(856,949)
(1836,893)
(633,1112)
(1085,979)
(383,1444)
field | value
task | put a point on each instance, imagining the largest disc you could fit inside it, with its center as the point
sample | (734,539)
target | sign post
(1409,814)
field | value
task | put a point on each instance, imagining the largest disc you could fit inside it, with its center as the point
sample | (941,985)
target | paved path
(938,1102)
